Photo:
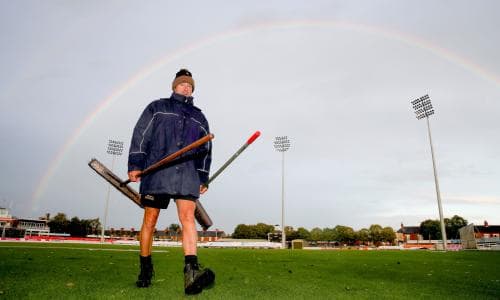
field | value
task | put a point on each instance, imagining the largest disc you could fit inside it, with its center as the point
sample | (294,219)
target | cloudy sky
(337,77)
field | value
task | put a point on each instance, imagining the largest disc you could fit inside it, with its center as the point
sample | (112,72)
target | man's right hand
(134,176)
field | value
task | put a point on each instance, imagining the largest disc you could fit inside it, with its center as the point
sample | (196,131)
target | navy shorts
(162,200)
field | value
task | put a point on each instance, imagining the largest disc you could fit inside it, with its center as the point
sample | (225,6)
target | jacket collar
(182,98)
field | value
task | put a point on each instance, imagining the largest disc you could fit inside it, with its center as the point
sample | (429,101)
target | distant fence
(488,243)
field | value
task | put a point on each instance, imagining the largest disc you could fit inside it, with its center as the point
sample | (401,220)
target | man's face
(184,89)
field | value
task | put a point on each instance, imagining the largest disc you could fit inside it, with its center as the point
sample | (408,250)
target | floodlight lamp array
(281,143)
(115,147)
(423,107)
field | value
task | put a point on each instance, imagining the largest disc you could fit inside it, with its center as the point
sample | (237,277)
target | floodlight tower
(115,148)
(423,109)
(282,144)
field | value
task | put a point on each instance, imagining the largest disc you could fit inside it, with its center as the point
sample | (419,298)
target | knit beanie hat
(183,76)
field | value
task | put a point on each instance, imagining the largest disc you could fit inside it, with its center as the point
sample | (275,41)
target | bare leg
(147,229)
(185,211)
(195,277)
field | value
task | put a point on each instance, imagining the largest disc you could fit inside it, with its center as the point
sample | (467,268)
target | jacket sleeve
(141,137)
(204,157)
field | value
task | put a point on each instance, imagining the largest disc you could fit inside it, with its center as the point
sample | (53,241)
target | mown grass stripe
(79,248)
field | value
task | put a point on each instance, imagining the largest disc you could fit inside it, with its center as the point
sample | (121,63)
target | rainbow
(391,34)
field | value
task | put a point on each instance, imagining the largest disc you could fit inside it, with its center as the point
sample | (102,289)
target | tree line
(74,227)
(375,234)
(83,227)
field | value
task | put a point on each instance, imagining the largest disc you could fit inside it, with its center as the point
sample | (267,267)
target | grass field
(74,271)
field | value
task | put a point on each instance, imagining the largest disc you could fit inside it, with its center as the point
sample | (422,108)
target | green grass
(72,271)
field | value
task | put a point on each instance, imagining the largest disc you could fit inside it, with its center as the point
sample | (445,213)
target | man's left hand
(203,189)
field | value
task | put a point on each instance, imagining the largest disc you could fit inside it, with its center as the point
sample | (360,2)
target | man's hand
(203,189)
(134,176)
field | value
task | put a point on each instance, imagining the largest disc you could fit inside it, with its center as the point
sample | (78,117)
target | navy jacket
(165,126)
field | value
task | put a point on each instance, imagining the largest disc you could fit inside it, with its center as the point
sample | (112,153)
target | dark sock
(146,260)
(191,259)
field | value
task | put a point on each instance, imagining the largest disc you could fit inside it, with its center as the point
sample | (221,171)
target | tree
(328,235)
(59,223)
(376,234)
(242,231)
(292,235)
(316,234)
(303,233)
(289,233)
(79,227)
(60,217)
(300,233)
(344,234)
(261,230)
(453,225)
(388,235)
(174,229)
(95,226)
(430,229)
(75,227)
(363,235)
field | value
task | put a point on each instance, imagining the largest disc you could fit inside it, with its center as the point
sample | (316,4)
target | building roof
(487,229)
(32,220)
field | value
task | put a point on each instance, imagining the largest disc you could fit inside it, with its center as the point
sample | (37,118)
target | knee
(186,218)
(149,222)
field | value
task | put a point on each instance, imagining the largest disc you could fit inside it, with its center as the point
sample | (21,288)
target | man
(165,126)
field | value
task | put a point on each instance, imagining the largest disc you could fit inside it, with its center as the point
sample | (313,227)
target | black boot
(197,278)
(144,279)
